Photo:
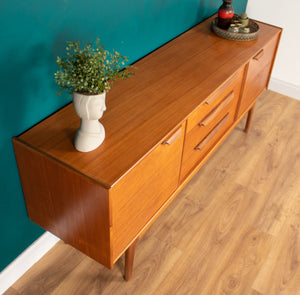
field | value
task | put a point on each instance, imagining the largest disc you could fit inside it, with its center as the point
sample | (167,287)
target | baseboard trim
(285,88)
(26,260)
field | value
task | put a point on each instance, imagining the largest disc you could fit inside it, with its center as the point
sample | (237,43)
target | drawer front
(258,75)
(214,99)
(203,135)
(138,196)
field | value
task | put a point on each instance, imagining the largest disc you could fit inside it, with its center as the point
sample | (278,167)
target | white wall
(285,77)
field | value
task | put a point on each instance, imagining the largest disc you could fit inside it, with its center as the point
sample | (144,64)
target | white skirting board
(285,88)
(26,260)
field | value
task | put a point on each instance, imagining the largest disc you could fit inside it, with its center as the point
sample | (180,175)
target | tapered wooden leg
(249,118)
(129,257)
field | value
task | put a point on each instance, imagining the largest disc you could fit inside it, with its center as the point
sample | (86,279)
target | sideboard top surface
(168,85)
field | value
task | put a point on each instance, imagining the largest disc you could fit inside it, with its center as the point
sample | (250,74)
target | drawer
(258,74)
(212,101)
(139,194)
(203,135)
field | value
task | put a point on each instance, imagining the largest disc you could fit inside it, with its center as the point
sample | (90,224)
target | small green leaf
(91,69)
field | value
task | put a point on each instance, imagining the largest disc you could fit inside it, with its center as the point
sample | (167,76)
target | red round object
(225,14)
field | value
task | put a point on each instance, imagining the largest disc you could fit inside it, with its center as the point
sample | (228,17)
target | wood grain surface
(142,110)
(100,202)
(258,74)
(234,229)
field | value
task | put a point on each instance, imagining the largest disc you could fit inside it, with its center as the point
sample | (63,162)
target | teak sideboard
(161,125)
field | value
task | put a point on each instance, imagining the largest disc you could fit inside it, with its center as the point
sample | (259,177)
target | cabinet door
(258,75)
(138,196)
(65,203)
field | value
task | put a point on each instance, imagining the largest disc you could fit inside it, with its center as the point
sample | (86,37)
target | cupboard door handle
(229,97)
(173,138)
(259,55)
(220,125)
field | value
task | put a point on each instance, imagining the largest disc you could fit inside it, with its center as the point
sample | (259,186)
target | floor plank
(234,229)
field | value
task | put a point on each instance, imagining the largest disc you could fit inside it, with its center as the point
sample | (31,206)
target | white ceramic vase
(91,132)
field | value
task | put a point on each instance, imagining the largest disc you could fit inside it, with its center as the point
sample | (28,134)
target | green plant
(90,70)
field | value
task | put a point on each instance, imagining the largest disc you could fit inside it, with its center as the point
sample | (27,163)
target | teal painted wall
(32,34)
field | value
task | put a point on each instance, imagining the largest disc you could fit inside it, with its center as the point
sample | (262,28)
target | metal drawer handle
(229,97)
(220,125)
(173,138)
(259,55)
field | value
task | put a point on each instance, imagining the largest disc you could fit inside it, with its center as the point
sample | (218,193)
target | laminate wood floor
(234,229)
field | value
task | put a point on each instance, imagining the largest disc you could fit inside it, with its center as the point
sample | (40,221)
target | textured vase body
(91,132)
(225,14)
